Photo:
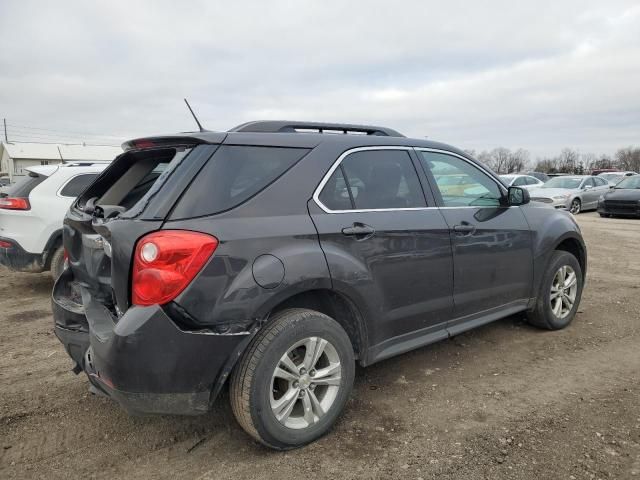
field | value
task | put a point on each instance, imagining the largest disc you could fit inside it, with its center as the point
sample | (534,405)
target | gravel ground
(503,401)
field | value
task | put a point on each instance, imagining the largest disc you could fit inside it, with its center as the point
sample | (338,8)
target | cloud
(538,75)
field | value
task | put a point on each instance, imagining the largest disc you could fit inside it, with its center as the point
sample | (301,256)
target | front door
(492,246)
(384,246)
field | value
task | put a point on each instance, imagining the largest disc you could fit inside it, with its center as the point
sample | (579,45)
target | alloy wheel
(305,383)
(575,206)
(564,289)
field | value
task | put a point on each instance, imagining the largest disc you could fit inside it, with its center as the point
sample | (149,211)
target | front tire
(576,206)
(560,293)
(293,380)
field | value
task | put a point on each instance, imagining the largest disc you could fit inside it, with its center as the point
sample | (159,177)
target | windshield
(630,182)
(563,182)
(507,178)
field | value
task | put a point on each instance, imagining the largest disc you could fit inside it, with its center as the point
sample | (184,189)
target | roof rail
(285,126)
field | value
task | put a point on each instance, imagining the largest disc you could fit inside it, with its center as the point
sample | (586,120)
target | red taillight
(13,203)
(143,144)
(4,244)
(165,262)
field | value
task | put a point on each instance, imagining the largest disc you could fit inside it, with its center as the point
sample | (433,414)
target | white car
(32,211)
(615,177)
(524,181)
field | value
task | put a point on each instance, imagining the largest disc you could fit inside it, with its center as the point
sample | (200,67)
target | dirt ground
(503,401)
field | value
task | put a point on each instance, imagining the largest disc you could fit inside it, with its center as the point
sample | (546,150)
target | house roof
(52,151)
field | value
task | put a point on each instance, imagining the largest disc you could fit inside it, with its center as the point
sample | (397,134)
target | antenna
(194,115)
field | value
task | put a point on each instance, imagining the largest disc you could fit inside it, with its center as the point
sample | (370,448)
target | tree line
(504,160)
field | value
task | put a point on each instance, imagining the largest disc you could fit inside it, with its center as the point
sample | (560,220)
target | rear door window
(531,180)
(77,184)
(233,175)
(374,180)
(600,182)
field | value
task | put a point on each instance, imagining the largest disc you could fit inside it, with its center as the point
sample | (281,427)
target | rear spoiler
(185,139)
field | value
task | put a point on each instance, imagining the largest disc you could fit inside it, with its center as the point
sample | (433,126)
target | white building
(15,156)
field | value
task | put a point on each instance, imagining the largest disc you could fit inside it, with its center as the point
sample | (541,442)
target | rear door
(601,186)
(589,194)
(492,254)
(386,245)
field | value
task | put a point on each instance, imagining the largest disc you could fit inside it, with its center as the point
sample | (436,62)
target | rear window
(77,184)
(22,188)
(234,175)
(130,177)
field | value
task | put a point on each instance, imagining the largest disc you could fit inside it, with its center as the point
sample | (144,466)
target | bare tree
(546,165)
(517,161)
(568,161)
(628,159)
(503,160)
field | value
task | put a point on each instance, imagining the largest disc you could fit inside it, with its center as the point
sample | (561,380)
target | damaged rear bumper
(142,359)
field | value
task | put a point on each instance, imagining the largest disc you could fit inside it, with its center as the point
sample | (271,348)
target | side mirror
(518,196)
(587,187)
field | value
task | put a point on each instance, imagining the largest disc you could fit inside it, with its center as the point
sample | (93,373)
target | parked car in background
(614,177)
(574,193)
(543,177)
(32,211)
(518,180)
(622,200)
(275,258)
(4,181)
(598,171)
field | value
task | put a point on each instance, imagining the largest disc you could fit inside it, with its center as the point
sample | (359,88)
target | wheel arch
(55,240)
(336,305)
(575,247)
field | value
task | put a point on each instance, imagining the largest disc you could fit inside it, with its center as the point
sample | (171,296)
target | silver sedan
(574,193)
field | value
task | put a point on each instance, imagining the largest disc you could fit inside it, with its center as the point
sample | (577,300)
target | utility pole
(6,139)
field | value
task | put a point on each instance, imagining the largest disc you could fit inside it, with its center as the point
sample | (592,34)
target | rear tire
(560,293)
(57,262)
(279,394)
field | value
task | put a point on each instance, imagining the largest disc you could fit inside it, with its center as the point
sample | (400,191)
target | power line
(67,143)
(57,138)
(44,134)
(62,131)
(26,138)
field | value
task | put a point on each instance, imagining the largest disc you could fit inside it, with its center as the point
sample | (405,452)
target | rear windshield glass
(232,176)
(130,177)
(22,188)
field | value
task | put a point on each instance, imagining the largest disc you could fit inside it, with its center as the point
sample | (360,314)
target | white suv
(32,211)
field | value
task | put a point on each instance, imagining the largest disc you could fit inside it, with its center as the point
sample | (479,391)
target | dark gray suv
(278,254)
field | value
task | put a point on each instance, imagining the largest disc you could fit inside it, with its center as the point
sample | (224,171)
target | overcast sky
(532,74)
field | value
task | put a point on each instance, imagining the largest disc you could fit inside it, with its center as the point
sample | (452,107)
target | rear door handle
(359,230)
(464,229)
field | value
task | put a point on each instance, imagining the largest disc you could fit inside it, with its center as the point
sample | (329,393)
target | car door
(492,246)
(385,245)
(601,187)
(589,193)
